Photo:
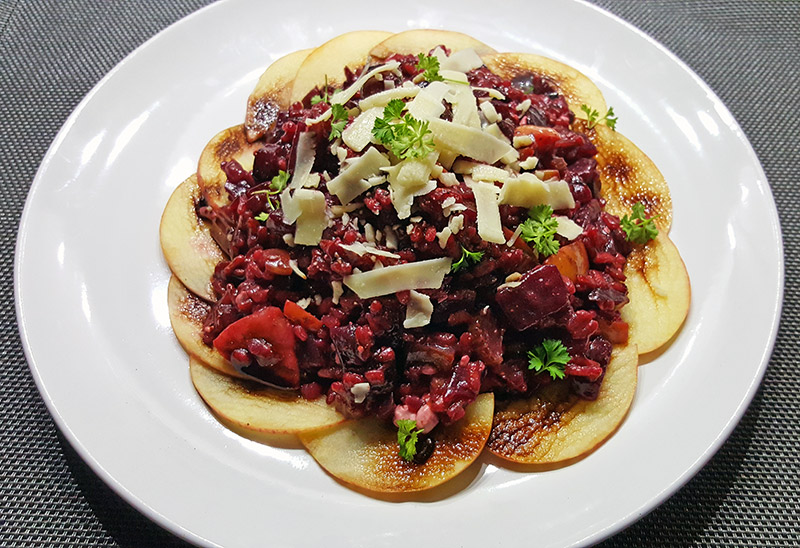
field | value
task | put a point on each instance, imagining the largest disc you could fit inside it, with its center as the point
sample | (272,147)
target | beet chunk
(540,294)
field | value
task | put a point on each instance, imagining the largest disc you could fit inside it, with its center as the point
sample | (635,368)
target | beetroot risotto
(419,235)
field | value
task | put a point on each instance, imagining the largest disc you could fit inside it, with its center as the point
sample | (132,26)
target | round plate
(91,290)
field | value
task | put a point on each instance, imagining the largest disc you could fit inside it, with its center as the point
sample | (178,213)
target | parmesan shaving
(489,226)
(321,118)
(456,223)
(524,106)
(568,228)
(493,93)
(309,207)
(306,153)
(359,249)
(443,236)
(522,141)
(468,141)
(465,109)
(342,96)
(448,179)
(529,163)
(351,182)
(427,274)
(338,291)
(514,236)
(359,134)
(359,391)
(382,99)
(489,112)
(483,172)
(427,105)
(418,311)
(296,269)
(463,60)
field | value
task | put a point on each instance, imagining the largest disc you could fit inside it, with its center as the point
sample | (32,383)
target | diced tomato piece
(519,243)
(545,138)
(297,315)
(571,260)
(271,325)
(616,332)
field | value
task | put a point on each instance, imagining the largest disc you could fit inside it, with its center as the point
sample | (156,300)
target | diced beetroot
(270,325)
(540,293)
(438,349)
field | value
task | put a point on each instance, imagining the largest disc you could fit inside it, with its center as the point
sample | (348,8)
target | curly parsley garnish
(593,117)
(339,119)
(550,356)
(429,64)
(468,258)
(276,186)
(540,230)
(407,435)
(638,228)
(405,136)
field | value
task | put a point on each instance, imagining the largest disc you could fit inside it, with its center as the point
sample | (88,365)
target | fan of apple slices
(550,427)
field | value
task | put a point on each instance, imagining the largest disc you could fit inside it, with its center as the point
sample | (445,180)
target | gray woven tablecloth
(53,52)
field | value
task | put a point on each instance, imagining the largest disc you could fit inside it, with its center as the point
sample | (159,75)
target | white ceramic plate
(92,308)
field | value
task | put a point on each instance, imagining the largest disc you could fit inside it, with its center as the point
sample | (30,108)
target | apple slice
(413,42)
(257,408)
(659,292)
(555,425)
(364,453)
(186,314)
(577,88)
(628,176)
(272,93)
(329,60)
(229,144)
(190,251)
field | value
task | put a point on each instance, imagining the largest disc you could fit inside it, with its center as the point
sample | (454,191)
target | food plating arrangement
(415,249)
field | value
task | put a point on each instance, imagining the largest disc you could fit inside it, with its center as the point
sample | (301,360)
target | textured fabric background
(54,52)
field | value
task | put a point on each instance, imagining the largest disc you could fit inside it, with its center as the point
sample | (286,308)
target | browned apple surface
(187,313)
(229,144)
(628,176)
(272,93)
(413,42)
(186,241)
(329,60)
(571,83)
(659,292)
(365,452)
(556,425)
(257,408)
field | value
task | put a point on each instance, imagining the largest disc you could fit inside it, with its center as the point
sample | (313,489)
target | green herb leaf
(276,186)
(407,435)
(339,118)
(593,117)
(394,110)
(468,258)
(429,64)
(262,216)
(550,356)
(279,182)
(540,230)
(324,98)
(638,228)
(406,137)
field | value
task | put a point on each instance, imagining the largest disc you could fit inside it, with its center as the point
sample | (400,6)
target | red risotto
(399,268)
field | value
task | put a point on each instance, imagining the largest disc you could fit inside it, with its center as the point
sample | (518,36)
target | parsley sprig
(468,258)
(339,119)
(429,64)
(593,117)
(550,356)
(540,229)
(276,186)
(405,136)
(324,98)
(638,228)
(407,435)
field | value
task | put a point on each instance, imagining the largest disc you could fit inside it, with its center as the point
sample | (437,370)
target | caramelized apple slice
(413,42)
(556,425)
(350,50)
(364,453)
(659,290)
(229,144)
(186,313)
(628,175)
(257,408)
(272,93)
(186,241)
(571,83)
